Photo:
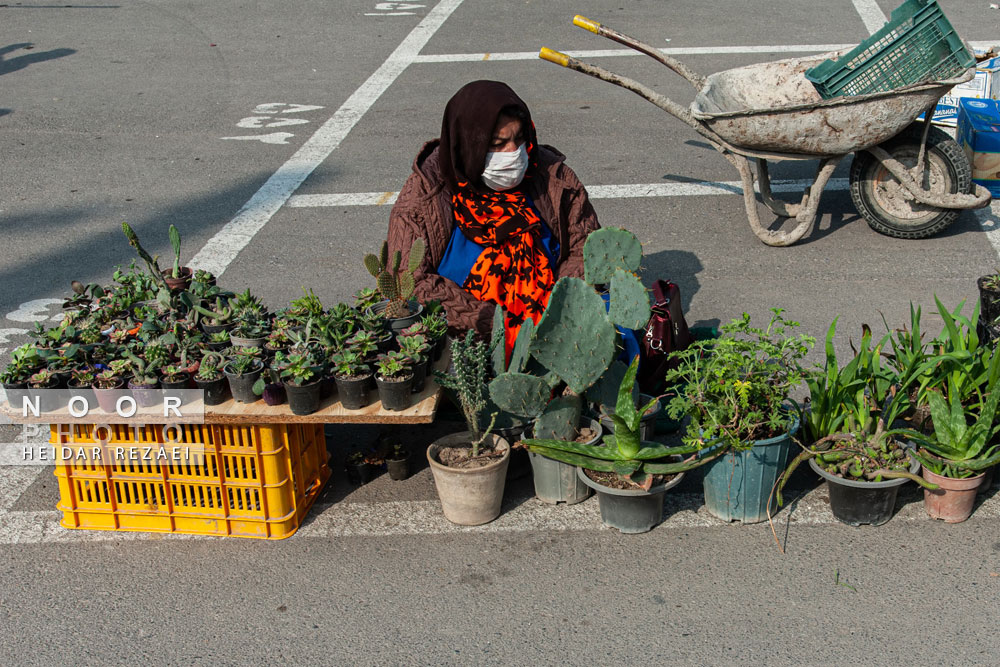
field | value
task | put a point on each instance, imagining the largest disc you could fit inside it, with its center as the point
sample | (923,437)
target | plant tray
(917,44)
(253,481)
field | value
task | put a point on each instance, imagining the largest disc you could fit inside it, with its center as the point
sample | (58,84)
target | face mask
(505,170)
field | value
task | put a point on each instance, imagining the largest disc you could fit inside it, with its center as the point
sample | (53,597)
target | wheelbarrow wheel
(886,205)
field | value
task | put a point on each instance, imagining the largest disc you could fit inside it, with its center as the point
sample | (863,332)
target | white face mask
(505,170)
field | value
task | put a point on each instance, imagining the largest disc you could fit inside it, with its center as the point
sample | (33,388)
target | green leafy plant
(298,370)
(24,360)
(366,298)
(394,283)
(364,343)
(471,363)
(210,367)
(107,379)
(737,385)
(623,453)
(991,281)
(349,363)
(960,443)
(394,365)
(304,308)
(415,348)
(42,378)
(251,326)
(241,364)
(172,373)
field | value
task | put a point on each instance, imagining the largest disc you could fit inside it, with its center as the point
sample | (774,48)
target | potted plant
(470,468)
(957,453)
(398,462)
(250,331)
(242,371)
(989,296)
(630,476)
(396,285)
(302,385)
(365,298)
(647,422)
(361,467)
(437,332)
(211,380)
(736,393)
(849,442)
(415,349)
(178,278)
(221,318)
(352,376)
(218,341)
(143,382)
(173,376)
(24,361)
(81,384)
(39,385)
(394,378)
(109,385)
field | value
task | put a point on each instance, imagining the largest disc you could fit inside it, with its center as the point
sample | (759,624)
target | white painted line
(223,248)
(614,53)
(697,188)
(871,15)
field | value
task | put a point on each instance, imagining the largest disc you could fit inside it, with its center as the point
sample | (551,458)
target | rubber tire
(866,173)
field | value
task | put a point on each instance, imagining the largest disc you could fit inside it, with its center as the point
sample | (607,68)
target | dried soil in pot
(461,457)
(613,481)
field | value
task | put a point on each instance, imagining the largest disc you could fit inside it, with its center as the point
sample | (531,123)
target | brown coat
(423,210)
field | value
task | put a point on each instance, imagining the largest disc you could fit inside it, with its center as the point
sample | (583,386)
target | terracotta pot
(469,496)
(180,283)
(953,501)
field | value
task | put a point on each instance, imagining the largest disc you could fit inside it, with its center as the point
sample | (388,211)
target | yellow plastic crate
(253,481)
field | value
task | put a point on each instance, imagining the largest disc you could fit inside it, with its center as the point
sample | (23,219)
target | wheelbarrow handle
(639,89)
(696,80)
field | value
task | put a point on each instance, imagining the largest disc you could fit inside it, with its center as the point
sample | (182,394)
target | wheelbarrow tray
(771,108)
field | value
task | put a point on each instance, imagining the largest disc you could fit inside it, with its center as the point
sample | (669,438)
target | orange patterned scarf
(513,270)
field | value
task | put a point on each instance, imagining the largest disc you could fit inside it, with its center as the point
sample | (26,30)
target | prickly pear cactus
(574,338)
(560,419)
(607,249)
(520,394)
(393,283)
(629,306)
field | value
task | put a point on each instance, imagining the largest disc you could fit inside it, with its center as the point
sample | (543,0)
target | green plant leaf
(625,405)
(573,459)
(593,451)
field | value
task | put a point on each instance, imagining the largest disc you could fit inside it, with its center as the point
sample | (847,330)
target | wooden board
(422,411)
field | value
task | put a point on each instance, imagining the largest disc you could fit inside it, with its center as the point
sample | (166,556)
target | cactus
(175,243)
(608,249)
(560,419)
(629,306)
(151,263)
(520,394)
(396,285)
(574,338)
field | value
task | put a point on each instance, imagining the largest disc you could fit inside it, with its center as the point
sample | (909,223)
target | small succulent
(393,365)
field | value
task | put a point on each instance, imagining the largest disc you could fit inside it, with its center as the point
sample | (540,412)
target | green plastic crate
(917,44)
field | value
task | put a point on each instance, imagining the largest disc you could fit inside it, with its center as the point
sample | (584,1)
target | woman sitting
(502,217)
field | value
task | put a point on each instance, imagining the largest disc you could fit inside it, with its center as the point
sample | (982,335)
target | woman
(502,217)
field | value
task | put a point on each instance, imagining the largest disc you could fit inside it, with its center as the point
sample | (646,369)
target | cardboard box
(985,85)
(978,134)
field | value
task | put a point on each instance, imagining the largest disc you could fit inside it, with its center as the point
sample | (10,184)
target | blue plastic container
(738,484)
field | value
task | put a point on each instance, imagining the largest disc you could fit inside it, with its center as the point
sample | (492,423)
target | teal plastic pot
(738,484)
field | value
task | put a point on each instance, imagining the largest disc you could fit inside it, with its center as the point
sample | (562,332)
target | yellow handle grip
(554,56)
(586,24)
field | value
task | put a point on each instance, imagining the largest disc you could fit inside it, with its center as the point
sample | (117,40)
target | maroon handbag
(665,332)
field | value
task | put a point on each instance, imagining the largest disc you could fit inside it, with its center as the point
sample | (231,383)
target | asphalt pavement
(275,135)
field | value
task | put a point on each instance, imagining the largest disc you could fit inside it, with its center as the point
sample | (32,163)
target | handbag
(665,332)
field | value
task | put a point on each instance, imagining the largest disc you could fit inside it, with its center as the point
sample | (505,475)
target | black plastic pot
(241,386)
(185,383)
(240,341)
(862,503)
(396,395)
(439,346)
(48,400)
(84,392)
(989,300)
(353,392)
(360,473)
(419,375)
(399,469)
(216,391)
(630,511)
(216,328)
(303,399)
(398,324)
(327,387)
(217,347)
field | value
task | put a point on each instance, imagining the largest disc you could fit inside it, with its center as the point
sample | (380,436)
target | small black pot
(184,383)
(353,392)
(360,473)
(86,392)
(420,375)
(217,347)
(216,391)
(859,503)
(47,399)
(395,396)
(439,346)
(241,386)
(239,341)
(303,399)
(398,469)
(216,328)
(327,387)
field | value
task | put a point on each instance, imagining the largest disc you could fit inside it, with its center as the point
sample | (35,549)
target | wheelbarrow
(908,179)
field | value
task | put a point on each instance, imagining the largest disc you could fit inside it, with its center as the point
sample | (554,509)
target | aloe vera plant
(623,452)
(175,243)
(958,448)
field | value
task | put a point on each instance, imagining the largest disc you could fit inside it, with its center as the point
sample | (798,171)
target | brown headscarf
(467,128)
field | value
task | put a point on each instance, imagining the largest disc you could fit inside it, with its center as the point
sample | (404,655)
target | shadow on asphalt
(8,65)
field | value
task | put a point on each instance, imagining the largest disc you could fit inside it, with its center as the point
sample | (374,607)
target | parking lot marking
(624,191)
(871,14)
(223,248)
